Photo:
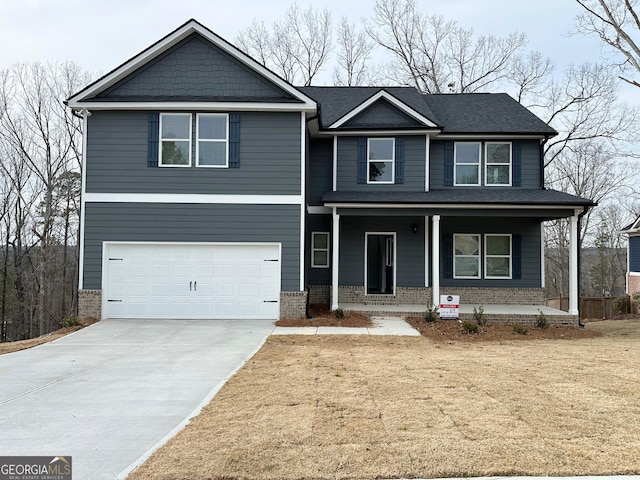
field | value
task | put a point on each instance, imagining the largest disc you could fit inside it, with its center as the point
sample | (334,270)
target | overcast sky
(101,34)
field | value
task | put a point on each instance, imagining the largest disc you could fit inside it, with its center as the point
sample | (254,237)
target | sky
(99,35)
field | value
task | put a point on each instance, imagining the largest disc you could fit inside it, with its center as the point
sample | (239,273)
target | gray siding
(382,114)
(410,248)
(530,157)
(529,229)
(414,166)
(318,276)
(320,172)
(269,158)
(191,223)
(196,69)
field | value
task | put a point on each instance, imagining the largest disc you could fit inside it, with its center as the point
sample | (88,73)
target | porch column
(573,265)
(435,259)
(335,259)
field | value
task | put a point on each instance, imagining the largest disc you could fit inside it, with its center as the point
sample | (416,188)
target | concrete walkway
(381,326)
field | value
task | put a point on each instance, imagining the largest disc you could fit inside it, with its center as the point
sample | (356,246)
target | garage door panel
(192,281)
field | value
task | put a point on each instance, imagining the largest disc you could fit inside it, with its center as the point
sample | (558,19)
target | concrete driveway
(107,394)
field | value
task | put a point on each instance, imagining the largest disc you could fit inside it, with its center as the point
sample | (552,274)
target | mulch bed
(451,330)
(322,316)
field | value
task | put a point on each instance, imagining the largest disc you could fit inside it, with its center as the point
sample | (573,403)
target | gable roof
(632,227)
(86,98)
(340,104)
(485,113)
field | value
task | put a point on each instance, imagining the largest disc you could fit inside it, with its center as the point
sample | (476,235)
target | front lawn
(364,407)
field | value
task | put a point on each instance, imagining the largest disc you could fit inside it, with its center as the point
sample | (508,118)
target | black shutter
(234,140)
(516,240)
(517,164)
(448,164)
(399,160)
(447,248)
(153,136)
(362,160)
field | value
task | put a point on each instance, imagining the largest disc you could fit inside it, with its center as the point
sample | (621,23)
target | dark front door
(380,263)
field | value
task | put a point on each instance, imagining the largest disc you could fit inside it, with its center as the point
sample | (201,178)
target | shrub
(70,321)
(338,313)
(541,320)
(621,305)
(431,314)
(478,316)
(470,327)
(520,330)
(636,299)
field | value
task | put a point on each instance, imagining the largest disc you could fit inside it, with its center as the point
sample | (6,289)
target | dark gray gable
(382,115)
(195,69)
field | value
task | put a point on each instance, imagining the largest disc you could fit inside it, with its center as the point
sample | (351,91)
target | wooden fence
(591,307)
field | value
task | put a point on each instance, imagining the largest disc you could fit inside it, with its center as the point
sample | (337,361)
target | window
(320,250)
(212,134)
(497,257)
(380,160)
(466,256)
(498,163)
(175,139)
(467,163)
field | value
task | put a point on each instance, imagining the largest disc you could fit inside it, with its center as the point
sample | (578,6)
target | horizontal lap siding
(409,248)
(529,229)
(530,161)
(318,223)
(142,222)
(634,253)
(269,158)
(414,167)
(320,172)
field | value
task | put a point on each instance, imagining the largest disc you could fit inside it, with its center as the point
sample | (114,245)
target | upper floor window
(212,133)
(175,139)
(498,163)
(467,163)
(380,160)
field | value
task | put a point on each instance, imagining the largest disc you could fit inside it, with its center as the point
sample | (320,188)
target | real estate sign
(449,307)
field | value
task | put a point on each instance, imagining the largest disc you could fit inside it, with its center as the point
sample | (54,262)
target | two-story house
(212,188)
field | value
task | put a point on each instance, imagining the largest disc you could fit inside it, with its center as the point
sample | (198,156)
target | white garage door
(185,281)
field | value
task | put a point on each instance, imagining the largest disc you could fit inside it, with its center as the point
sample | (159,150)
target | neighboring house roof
(485,113)
(112,88)
(514,196)
(632,227)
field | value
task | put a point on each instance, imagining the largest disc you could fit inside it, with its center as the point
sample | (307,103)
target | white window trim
(478,165)
(314,250)
(209,140)
(479,276)
(160,139)
(392,160)
(510,256)
(487,163)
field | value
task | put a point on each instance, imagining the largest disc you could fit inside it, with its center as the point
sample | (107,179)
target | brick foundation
(293,304)
(496,296)
(633,281)
(528,320)
(90,303)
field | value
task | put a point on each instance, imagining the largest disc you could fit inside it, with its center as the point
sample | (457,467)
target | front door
(380,263)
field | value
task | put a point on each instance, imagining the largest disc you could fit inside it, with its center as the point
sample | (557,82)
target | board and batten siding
(147,222)
(270,152)
(410,248)
(414,166)
(320,172)
(530,164)
(528,229)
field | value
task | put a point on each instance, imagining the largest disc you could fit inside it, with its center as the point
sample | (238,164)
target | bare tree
(438,56)
(298,46)
(354,50)
(616,24)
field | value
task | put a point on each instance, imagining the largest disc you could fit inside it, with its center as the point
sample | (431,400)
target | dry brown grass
(327,407)
(9,347)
